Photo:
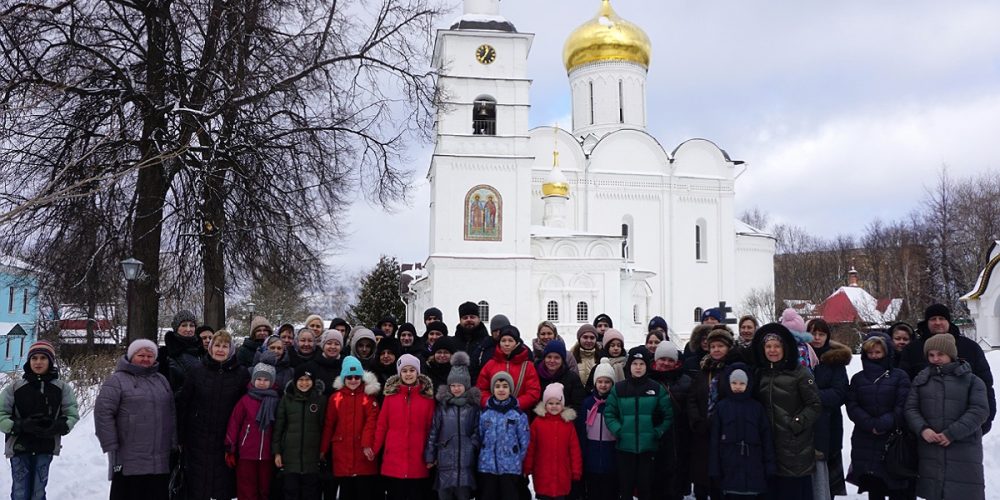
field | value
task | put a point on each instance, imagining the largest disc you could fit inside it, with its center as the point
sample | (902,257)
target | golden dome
(556,183)
(606,37)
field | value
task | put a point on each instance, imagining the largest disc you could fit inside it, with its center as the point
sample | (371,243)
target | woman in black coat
(832,382)
(875,403)
(548,373)
(211,391)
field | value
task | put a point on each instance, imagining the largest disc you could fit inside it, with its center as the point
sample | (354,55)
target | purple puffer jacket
(134,420)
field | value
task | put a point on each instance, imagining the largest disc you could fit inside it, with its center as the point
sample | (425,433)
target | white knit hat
(605,370)
(139,344)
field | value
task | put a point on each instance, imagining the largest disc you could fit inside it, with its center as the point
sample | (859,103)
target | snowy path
(80,473)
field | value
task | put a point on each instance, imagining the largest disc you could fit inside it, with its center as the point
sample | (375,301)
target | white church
(562,225)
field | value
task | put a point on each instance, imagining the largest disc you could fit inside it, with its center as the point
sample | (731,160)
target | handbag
(900,455)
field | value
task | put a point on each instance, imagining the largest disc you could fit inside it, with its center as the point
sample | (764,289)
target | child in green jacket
(298,429)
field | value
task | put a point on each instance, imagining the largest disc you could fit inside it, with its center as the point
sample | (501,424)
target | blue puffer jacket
(596,442)
(504,433)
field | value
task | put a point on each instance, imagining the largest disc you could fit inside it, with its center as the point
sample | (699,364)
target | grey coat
(453,441)
(134,420)
(952,400)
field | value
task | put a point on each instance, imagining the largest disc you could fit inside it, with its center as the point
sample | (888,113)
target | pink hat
(791,320)
(553,391)
(408,360)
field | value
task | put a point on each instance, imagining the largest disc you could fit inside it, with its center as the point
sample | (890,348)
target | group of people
(352,413)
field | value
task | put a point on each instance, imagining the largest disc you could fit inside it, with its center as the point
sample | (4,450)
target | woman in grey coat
(946,408)
(134,420)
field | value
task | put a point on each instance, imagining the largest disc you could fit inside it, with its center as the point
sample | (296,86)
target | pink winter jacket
(243,436)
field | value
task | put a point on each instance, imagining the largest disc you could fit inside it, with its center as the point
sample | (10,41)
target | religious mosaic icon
(483,214)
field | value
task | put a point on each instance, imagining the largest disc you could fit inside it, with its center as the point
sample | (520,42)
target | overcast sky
(844,110)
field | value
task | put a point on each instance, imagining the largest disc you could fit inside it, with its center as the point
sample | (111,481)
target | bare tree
(238,130)
(756,218)
(761,304)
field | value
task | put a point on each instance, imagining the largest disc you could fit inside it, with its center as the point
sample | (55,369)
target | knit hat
(712,313)
(46,348)
(937,310)
(257,322)
(449,344)
(335,322)
(721,335)
(605,370)
(459,373)
(182,316)
(312,317)
(666,350)
(138,345)
(557,346)
(511,331)
(202,329)
(388,318)
(391,344)
(505,377)
(468,309)
(262,370)
(223,336)
(304,370)
(407,327)
(553,391)
(656,322)
(791,320)
(331,335)
(436,326)
(944,342)
(304,330)
(738,375)
(286,326)
(640,353)
(351,367)
(270,340)
(612,334)
(408,360)
(585,328)
(605,318)
(498,322)
(433,312)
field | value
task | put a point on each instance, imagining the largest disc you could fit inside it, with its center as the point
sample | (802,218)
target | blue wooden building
(18,314)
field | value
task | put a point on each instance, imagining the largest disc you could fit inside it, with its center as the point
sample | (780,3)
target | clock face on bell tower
(486,54)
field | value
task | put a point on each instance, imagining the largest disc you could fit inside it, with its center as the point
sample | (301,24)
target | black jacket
(478,344)
(178,356)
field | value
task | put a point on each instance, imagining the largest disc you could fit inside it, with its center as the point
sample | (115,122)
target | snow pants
(253,479)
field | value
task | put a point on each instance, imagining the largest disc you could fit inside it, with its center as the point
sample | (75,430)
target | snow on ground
(80,473)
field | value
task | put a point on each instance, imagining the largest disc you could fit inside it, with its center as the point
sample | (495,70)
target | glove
(35,425)
(324,465)
(58,428)
(16,429)
(231,460)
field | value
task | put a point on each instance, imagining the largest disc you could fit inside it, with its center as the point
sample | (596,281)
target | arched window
(697,314)
(484,310)
(484,116)
(621,102)
(581,312)
(700,244)
(628,238)
(635,313)
(552,311)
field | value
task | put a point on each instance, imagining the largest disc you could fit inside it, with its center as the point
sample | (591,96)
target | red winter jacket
(530,391)
(244,436)
(554,458)
(403,425)
(349,427)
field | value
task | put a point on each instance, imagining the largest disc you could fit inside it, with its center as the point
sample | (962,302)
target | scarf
(713,367)
(502,406)
(596,409)
(545,374)
(268,405)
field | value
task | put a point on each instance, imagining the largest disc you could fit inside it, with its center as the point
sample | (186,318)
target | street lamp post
(132,269)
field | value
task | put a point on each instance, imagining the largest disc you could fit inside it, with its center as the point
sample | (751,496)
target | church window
(10,304)
(484,310)
(700,246)
(591,103)
(581,312)
(9,342)
(628,238)
(697,314)
(24,306)
(621,101)
(484,116)
(552,311)
(635,313)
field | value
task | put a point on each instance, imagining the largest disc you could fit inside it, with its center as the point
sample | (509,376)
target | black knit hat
(468,309)
(449,344)
(937,310)
(510,331)
(389,344)
(433,312)
(640,352)
(605,318)
(407,327)
(437,326)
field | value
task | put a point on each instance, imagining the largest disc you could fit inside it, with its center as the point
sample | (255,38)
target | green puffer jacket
(638,412)
(791,399)
(298,429)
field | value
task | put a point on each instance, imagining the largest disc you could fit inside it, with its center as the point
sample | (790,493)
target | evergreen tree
(379,295)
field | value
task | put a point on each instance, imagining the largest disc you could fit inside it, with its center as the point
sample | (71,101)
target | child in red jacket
(248,436)
(553,458)
(403,425)
(349,429)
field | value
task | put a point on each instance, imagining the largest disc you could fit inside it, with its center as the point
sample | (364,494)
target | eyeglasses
(353,377)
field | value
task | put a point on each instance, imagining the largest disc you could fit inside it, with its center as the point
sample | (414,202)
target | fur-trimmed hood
(370,381)
(837,355)
(392,385)
(568,414)
(472,395)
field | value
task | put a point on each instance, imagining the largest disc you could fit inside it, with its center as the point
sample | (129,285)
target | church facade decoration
(483,214)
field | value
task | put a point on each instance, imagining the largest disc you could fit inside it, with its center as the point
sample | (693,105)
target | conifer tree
(379,295)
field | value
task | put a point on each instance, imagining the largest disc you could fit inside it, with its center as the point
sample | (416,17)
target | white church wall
(701,158)
(607,96)
(755,268)
(629,151)
(503,283)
